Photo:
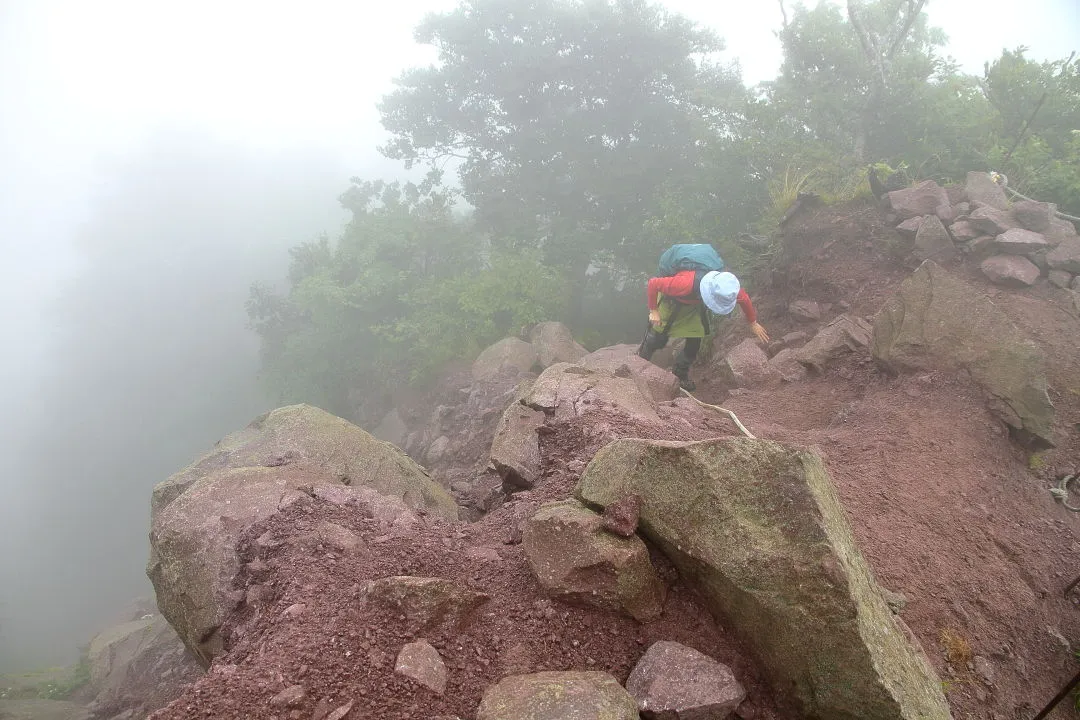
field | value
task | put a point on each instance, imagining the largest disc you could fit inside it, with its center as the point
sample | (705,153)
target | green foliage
(589,135)
(407,288)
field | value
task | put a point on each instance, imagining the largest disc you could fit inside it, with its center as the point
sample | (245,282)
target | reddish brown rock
(675,682)
(923,199)
(747,365)
(419,661)
(981,188)
(621,517)
(1010,270)
(1020,242)
(991,221)
(1032,215)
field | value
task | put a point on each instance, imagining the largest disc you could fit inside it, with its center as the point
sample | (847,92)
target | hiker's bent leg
(654,340)
(684,360)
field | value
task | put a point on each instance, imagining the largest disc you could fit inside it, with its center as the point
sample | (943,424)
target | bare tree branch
(914,8)
(783,11)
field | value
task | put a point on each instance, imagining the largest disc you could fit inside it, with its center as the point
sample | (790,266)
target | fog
(153,164)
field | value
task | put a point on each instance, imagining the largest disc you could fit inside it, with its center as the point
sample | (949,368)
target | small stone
(557,696)
(909,227)
(1060,278)
(675,681)
(621,517)
(793,338)
(294,610)
(747,365)
(1010,270)
(933,240)
(991,221)
(964,231)
(421,662)
(983,669)
(289,697)
(787,364)
(805,310)
(342,711)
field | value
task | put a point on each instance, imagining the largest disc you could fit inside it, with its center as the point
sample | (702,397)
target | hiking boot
(687,384)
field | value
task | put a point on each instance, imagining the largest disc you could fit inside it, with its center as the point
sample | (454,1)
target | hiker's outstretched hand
(762,335)
(654,318)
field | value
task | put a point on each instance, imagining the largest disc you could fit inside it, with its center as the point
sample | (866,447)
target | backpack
(690,256)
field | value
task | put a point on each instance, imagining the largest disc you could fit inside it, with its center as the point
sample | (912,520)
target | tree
(864,82)
(567,116)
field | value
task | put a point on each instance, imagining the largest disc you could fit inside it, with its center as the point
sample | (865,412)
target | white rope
(1003,181)
(727,412)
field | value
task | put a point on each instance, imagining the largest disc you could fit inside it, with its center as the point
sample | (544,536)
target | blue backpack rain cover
(690,256)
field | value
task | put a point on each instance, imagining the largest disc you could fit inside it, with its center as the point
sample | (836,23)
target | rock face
(1010,270)
(675,682)
(419,661)
(933,241)
(654,381)
(305,435)
(557,696)
(426,603)
(1020,242)
(199,513)
(515,450)
(758,527)
(508,355)
(555,343)
(937,322)
(140,665)
(980,188)
(1066,256)
(846,334)
(566,391)
(576,561)
(923,199)
(747,365)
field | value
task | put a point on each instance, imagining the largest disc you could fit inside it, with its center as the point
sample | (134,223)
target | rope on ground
(1061,492)
(1003,182)
(727,412)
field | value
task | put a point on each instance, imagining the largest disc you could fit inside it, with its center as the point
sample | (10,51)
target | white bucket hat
(719,291)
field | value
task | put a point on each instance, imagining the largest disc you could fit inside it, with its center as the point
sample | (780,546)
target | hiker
(677,308)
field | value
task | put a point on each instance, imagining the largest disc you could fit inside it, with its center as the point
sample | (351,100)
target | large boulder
(653,380)
(981,188)
(1066,256)
(557,696)
(935,321)
(747,365)
(577,561)
(515,449)
(1010,270)
(199,514)
(567,391)
(675,682)
(141,665)
(923,199)
(320,441)
(555,343)
(846,334)
(757,526)
(509,355)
